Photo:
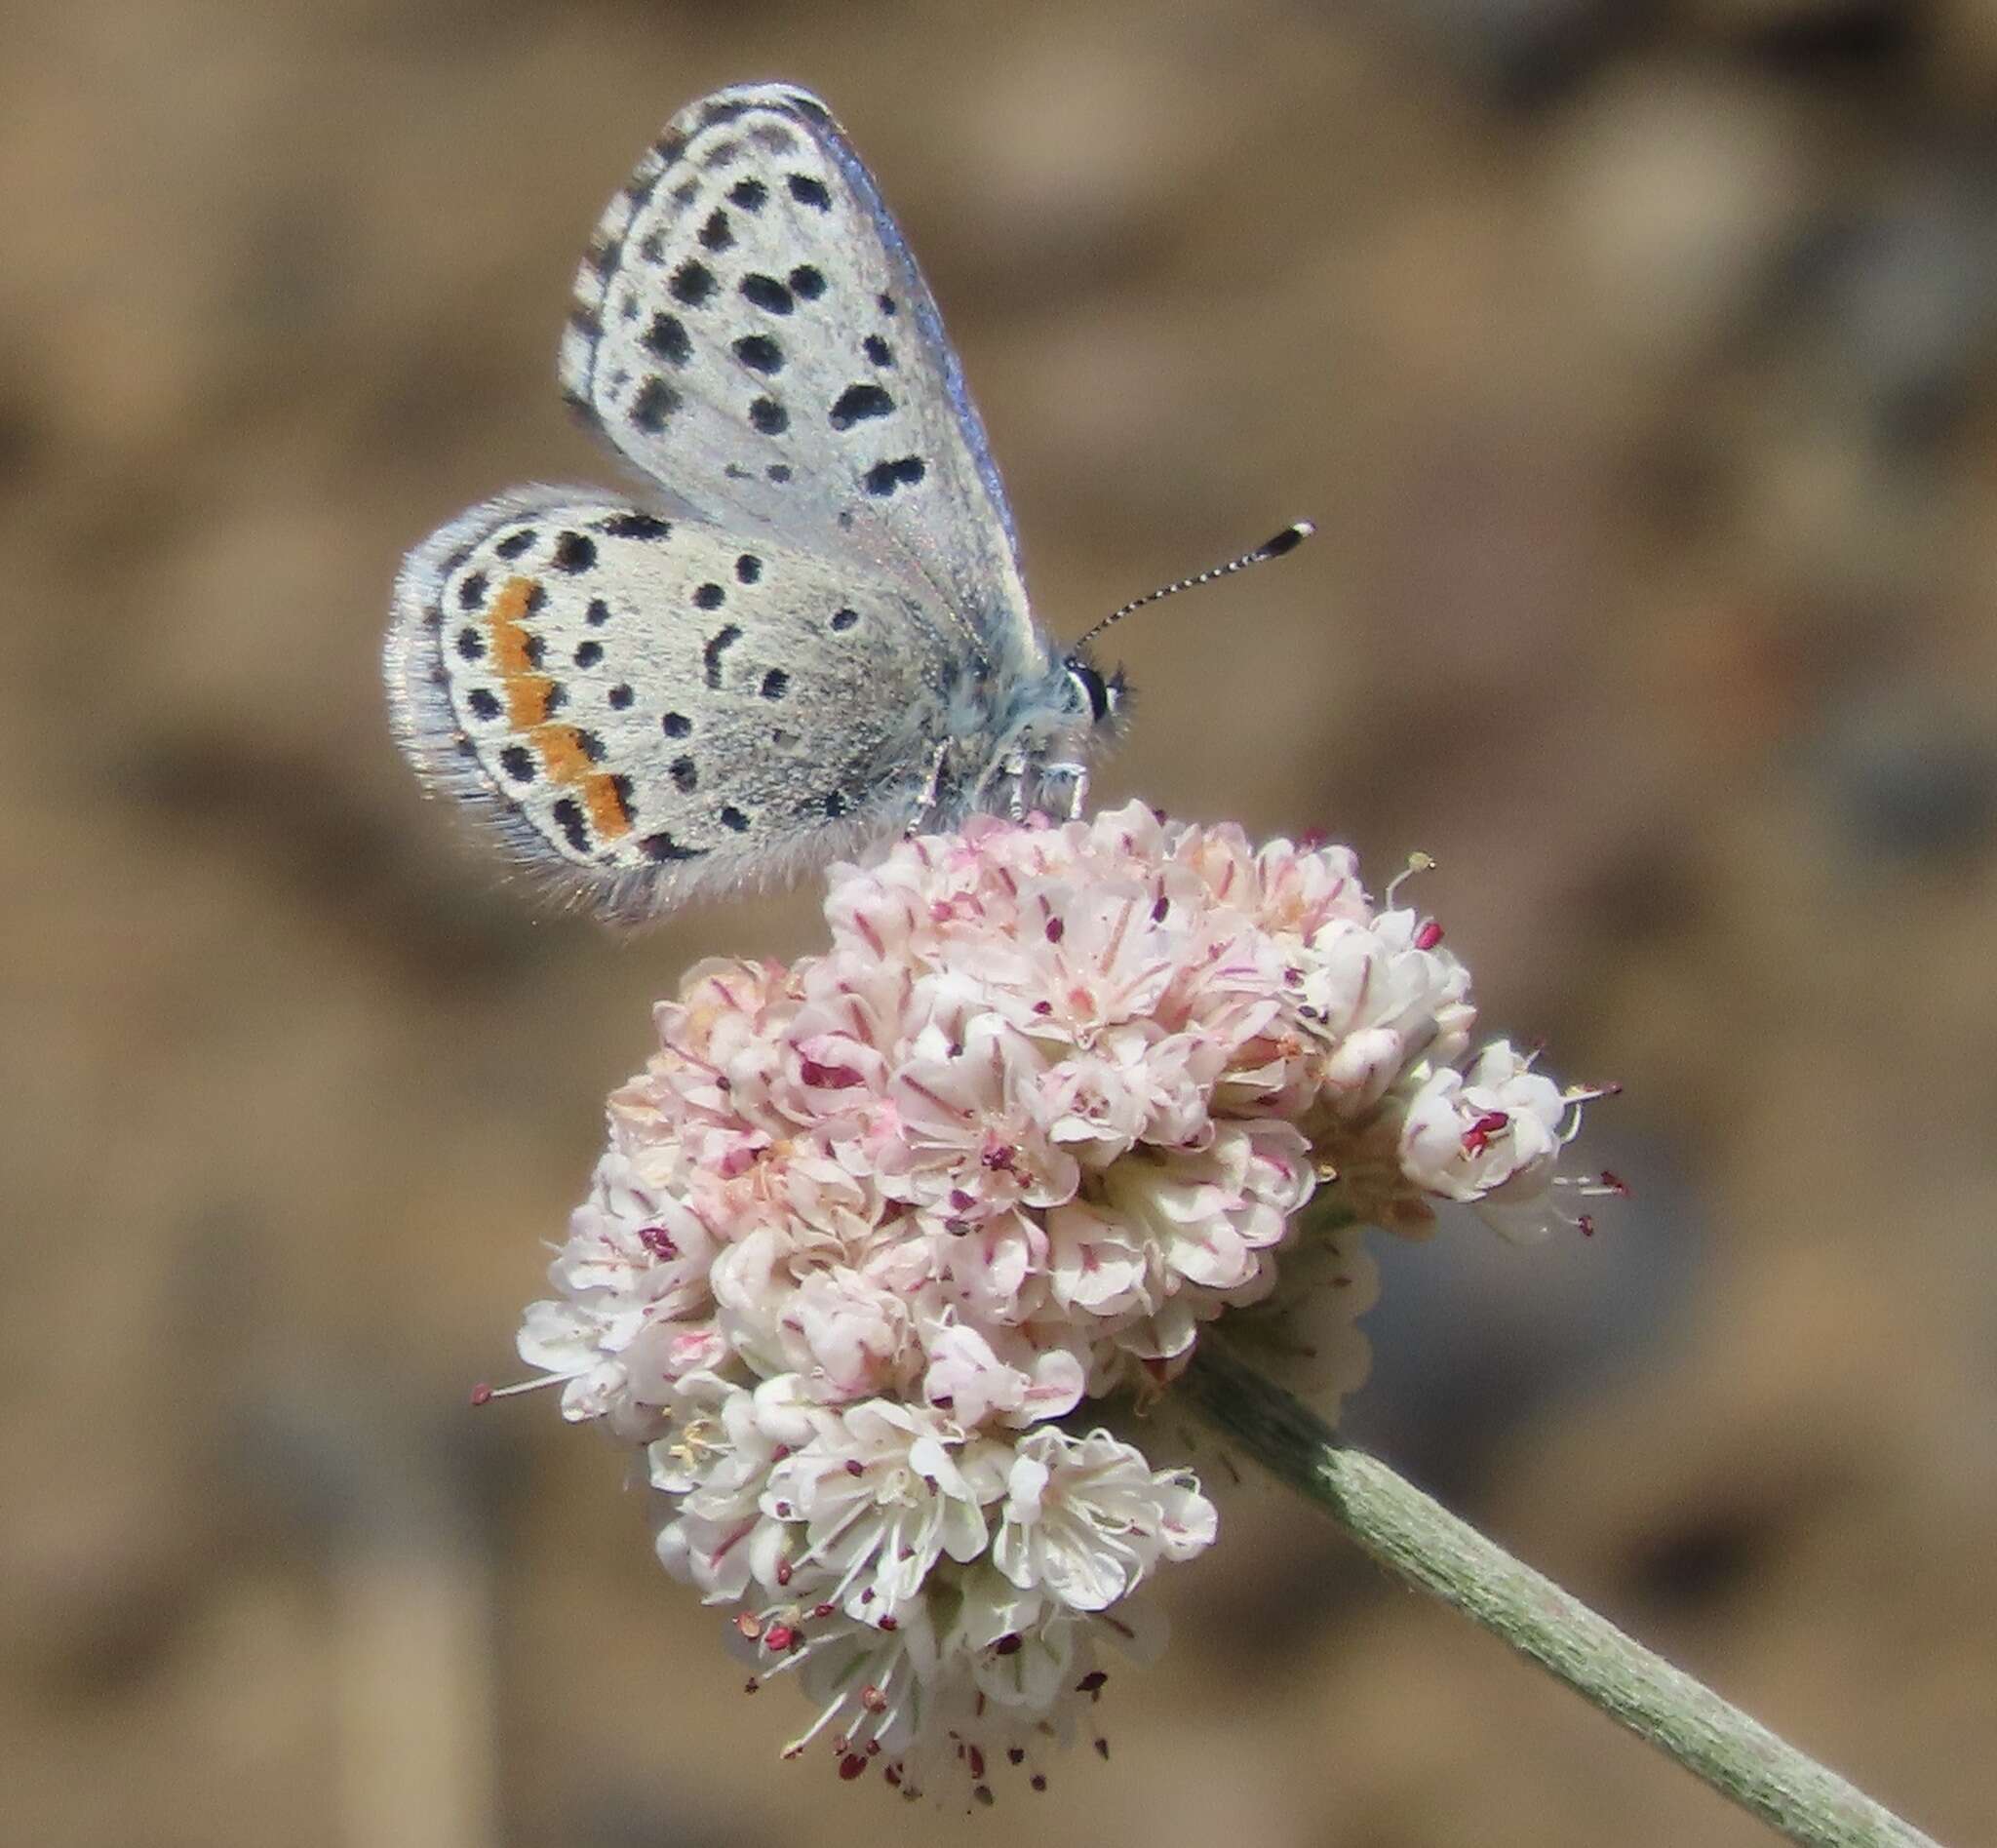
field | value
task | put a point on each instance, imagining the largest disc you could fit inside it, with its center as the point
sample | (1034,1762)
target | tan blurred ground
(1636,363)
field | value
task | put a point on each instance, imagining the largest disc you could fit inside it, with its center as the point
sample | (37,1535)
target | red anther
(1102,1748)
(1491,1121)
(1616,1183)
(890,1623)
(752,1686)
(873,1748)
(778,1636)
(1043,1007)
(749,1624)
(1039,1780)
(1312,839)
(1001,1158)
(482,1393)
(1158,910)
(1015,1754)
(828,1076)
(1586,1222)
(1092,1681)
(1056,929)
(854,1467)
(851,1765)
(977,1764)
(873,1700)
(1008,1645)
(783,1570)
(658,1241)
(893,1775)
(1428,935)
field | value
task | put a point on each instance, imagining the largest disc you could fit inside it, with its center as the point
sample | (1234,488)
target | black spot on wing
(588,653)
(574,553)
(883,478)
(634,525)
(663,846)
(877,350)
(656,401)
(750,194)
(621,697)
(717,645)
(809,282)
(516,543)
(667,338)
(760,353)
(747,568)
(568,818)
(709,597)
(808,191)
(483,703)
(692,284)
(598,614)
(766,293)
(733,819)
(775,684)
(684,774)
(770,417)
(676,724)
(857,403)
(715,234)
(844,620)
(518,762)
(472,592)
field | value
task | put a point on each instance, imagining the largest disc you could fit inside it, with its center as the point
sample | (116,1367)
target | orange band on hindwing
(531,697)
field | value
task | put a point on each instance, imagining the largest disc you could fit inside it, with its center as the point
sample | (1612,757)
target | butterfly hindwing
(751,332)
(643,706)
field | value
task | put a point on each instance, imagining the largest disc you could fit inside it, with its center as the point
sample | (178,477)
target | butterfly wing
(750,330)
(644,707)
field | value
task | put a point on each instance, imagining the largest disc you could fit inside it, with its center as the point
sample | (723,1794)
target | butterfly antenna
(1288,540)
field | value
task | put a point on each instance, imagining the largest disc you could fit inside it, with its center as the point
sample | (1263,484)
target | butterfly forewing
(644,705)
(752,333)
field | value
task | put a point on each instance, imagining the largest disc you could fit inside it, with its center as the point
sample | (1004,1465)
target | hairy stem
(1424,1544)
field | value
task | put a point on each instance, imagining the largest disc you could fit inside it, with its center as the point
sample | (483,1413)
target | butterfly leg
(1013,770)
(926,802)
(1078,784)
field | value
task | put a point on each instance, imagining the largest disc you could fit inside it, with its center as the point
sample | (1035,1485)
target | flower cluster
(871,1228)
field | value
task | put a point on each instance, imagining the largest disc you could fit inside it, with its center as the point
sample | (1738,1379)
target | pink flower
(1054,1100)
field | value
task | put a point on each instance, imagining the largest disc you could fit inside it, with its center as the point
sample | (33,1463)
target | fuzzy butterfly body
(812,629)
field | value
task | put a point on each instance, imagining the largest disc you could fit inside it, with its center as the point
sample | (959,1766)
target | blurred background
(1636,361)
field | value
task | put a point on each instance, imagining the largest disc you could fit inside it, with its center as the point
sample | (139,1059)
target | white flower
(868,1224)
(1086,1518)
(977,1383)
(882,1489)
(1491,1136)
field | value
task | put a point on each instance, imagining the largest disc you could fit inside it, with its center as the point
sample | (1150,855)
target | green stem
(1429,1548)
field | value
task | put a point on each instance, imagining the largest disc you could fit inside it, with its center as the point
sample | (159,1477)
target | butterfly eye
(1102,696)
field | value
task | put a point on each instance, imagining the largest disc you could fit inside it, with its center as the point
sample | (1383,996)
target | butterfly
(811,628)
